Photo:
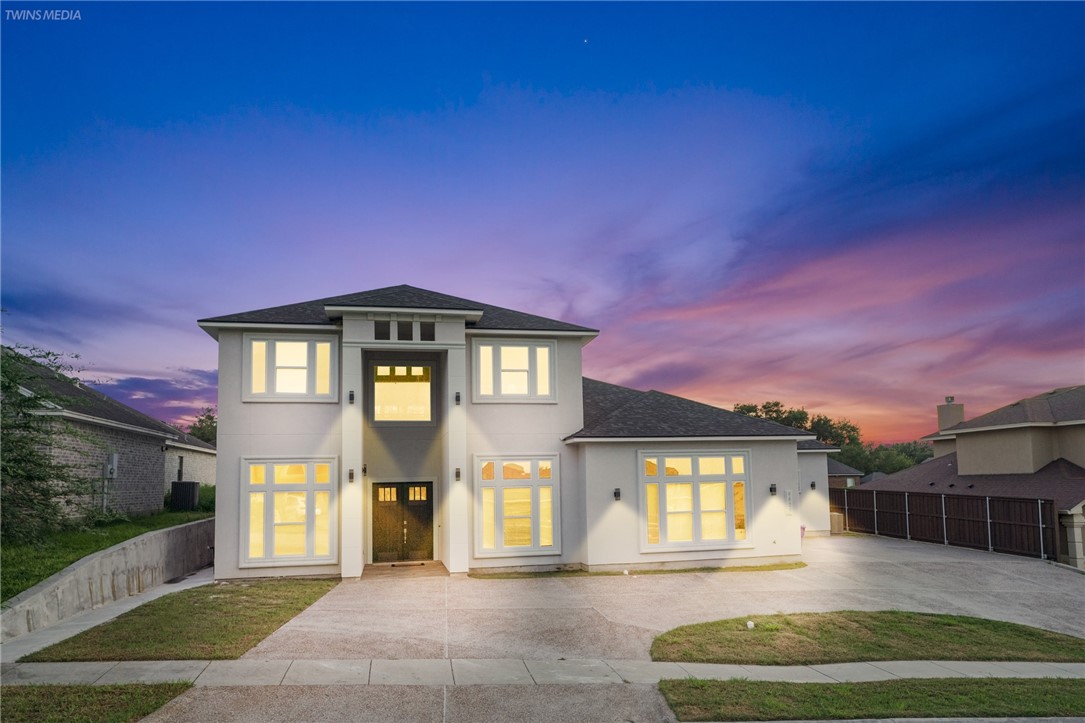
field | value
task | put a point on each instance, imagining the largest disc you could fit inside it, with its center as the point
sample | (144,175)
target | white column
(351,495)
(458,500)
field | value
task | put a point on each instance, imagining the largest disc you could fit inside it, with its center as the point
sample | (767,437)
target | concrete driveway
(609,617)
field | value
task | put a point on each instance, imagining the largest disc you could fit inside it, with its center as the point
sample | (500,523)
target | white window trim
(642,499)
(247,394)
(268,488)
(532,397)
(555,505)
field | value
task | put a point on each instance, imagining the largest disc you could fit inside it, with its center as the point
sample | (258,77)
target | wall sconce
(351,396)
(350,476)
(617,493)
(365,471)
(457,474)
(457,398)
(813,484)
(772,489)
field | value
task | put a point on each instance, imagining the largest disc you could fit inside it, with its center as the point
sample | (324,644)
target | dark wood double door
(402,521)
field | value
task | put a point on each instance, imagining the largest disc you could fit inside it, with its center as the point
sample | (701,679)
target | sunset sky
(858,208)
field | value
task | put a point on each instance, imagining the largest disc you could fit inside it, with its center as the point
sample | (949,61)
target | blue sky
(856,207)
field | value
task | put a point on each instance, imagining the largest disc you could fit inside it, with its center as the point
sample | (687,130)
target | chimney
(949,414)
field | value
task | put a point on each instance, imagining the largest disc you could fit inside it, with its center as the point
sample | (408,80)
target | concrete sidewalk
(503,672)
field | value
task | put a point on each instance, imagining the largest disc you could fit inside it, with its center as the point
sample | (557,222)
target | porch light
(351,396)
(772,489)
(350,476)
(457,474)
(457,398)
(813,484)
(617,493)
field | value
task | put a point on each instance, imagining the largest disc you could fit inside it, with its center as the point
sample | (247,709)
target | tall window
(517,506)
(288,511)
(695,500)
(403,393)
(514,371)
(289,369)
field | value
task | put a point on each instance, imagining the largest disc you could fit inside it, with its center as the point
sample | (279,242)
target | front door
(402,521)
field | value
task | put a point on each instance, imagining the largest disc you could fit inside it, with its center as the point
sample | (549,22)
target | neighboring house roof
(1065,405)
(840,469)
(398,297)
(184,439)
(83,403)
(614,412)
(1061,481)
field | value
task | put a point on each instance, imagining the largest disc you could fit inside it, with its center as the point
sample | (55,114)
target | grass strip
(26,565)
(85,703)
(853,636)
(742,700)
(528,574)
(212,622)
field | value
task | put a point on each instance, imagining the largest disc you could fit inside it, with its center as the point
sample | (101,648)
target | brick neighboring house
(1031,449)
(842,476)
(103,427)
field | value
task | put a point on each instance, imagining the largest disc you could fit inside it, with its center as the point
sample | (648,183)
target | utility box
(184,495)
(836,523)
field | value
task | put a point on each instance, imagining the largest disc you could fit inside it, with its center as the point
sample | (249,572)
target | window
(517,506)
(402,393)
(289,369)
(288,511)
(693,499)
(514,371)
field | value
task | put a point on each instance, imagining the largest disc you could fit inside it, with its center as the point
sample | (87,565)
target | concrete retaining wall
(112,574)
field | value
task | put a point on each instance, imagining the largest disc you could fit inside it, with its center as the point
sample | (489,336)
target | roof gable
(612,411)
(398,297)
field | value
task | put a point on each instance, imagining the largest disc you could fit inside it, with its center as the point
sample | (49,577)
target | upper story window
(289,368)
(514,371)
(403,393)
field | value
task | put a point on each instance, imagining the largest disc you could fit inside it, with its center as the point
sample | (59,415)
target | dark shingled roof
(399,297)
(1061,481)
(187,439)
(612,411)
(816,445)
(1066,404)
(839,468)
(81,399)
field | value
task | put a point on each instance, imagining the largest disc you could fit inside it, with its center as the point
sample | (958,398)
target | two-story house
(403,424)
(1033,448)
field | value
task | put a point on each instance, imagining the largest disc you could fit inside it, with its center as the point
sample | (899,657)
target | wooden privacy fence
(999,524)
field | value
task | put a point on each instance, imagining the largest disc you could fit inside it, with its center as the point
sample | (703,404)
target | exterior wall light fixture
(813,484)
(351,396)
(617,493)
(772,489)
(457,469)
(457,398)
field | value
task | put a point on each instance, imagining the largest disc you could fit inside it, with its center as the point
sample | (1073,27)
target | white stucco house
(404,424)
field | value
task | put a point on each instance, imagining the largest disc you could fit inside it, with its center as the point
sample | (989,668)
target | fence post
(990,543)
(907,518)
(945,535)
(847,527)
(1040,525)
(875,511)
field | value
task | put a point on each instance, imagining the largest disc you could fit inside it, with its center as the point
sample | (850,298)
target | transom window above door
(403,393)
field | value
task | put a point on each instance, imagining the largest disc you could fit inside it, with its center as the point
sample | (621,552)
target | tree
(776,412)
(206,425)
(37,490)
(842,433)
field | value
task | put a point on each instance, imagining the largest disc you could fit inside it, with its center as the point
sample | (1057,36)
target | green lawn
(740,700)
(26,565)
(852,636)
(212,622)
(85,703)
(610,573)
